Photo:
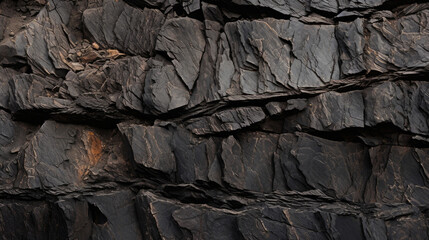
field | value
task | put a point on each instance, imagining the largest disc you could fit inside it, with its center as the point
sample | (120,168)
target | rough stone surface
(198,119)
(227,121)
(150,147)
(187,49)
(120,26)
(398,43)
(351,51)
(330,111)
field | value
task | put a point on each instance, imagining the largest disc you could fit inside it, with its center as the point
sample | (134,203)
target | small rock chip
(95,46)
(113,53)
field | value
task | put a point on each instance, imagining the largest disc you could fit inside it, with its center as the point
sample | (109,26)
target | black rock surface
(214,119)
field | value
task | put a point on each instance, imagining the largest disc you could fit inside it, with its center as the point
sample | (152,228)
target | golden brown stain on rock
(95,148)
(94,151)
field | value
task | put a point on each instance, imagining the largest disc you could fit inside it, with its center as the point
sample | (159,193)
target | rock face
(166,119)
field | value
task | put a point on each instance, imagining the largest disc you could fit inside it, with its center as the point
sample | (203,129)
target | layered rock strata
(242,119)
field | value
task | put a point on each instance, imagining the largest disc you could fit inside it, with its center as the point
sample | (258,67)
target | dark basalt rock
(167,119)
(187,50)
(334,172)
(227,121)
(5,76)
(151,147)
(243,158)
(22,215)
(163,89)
(330,111)
(287,7)
(114,215)
(388,51)
(120,26)
(65,157)
(352,52)
(400,104)
(44,41)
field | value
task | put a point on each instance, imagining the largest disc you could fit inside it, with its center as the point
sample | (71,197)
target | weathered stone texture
(198,119)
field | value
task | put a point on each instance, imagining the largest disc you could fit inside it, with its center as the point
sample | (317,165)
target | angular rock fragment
(116,216)
(225,72)
(164,218)
(399,104)
(121,26)
(136,30)
(78,95)
(212,12)
(191,6)
(276,108)
(264,223)
(12,138)
(30,92)
(173,154)
(351,42)
(119,83)
(325,5)
(393,174)
(288,223)
(183,41)
(339,169)
(247,161)
(61,155)
(294,8)
(343,226)
(196,158)
(227,120)
(130,74)
(260,57)
(79,217)
(303,224)
(385,103)
(418,195)
(330,111)
(360,3)
(316,50)
(155,217)
(6,75)
(207,223)
(163,89)
(206,87)
(151,147)
(44,42)
(399,43)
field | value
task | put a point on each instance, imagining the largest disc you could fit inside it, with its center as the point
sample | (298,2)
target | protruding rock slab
(151,147)
(247,161)
(393,176)
(227,120)
(121,26)
(68,156)
(164,91)
(400,104)
(330,111)
(184,42)
(116,215)
(351,43)
(399,43)
(310,162)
